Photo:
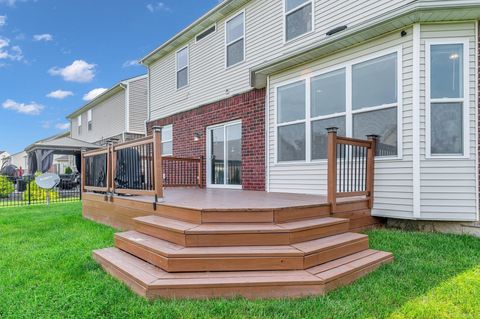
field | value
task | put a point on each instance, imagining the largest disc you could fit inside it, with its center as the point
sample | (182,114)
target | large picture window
(298,18)
(446,95)
(235,40)
(359,99)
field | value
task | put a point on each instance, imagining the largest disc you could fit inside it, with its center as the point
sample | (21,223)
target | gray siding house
(119,114)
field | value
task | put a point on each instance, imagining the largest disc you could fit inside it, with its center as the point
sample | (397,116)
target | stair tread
(150,276)
(166,223)
(312,223)
(316,245)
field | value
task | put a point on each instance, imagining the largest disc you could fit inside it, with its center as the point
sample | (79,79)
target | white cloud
(79,71)
(59,94)
(130,63)
(159,6)
(93,94)
(62,126)
(43,37)
(46,124)
(31,108)
(13,53)
(3,21)
(11,3)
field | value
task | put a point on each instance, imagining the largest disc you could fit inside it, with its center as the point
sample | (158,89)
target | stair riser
(162,233)
(240,263)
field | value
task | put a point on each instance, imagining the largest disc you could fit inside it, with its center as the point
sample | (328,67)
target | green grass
(46,271)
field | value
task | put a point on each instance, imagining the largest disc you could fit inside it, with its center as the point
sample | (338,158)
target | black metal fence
(23,191)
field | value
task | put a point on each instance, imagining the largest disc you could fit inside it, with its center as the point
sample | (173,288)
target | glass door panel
(234,154)
(217,142)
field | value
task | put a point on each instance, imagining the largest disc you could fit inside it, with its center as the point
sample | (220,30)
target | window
(447,99)
(291,102)
(235,40)
(79,124)
(298,18)
(374,102)
(167,140)
(182,68)
(89,120)
(206,33)
(359,99)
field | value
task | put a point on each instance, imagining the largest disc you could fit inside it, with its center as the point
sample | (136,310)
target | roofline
(146,60)
(66,148)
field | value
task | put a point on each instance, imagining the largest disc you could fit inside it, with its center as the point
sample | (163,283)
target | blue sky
(53,53)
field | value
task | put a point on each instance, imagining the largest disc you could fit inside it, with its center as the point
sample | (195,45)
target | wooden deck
(201,243)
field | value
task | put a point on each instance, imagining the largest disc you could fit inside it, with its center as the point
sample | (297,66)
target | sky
(55,55)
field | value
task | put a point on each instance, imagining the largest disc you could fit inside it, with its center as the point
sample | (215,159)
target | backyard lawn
(46,271)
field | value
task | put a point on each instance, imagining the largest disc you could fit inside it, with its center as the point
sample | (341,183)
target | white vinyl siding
(109,117)
(393,178)
(448,186)
(210,81)
(138,105)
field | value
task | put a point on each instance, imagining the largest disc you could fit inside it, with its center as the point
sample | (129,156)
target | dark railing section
(182,172)
(350,167)
(134,167)
(383,149)
(95,170)
(234,172)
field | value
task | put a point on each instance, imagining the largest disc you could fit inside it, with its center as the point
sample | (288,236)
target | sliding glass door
(224,155)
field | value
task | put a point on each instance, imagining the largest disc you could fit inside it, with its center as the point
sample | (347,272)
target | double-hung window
(298,18)
(182,68)
(167,140)
(235,40)
(79,124)
(359,98)
(375,102)
(446,96)
(89,120)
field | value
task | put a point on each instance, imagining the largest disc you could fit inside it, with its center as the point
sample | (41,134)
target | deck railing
(350,167)
(138,168)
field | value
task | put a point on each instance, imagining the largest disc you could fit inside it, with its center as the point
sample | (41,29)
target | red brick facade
(249,108)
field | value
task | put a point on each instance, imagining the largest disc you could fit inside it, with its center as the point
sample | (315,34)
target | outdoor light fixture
(196,137)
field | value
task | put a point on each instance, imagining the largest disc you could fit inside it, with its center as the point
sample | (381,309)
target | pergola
(40,154)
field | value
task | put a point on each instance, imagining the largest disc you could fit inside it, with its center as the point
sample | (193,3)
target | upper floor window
(89,120)
(79,124)
(298,18)
(182,68)
(235,40)
(447,74)
(167,140)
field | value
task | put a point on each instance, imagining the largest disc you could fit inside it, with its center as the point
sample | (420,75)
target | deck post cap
(157,128)
(373,136)
(332,129)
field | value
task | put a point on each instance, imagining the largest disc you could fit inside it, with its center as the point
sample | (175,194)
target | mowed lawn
(46,271)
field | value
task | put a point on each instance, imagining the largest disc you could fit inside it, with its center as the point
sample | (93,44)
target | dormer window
(182,68)
(298,18)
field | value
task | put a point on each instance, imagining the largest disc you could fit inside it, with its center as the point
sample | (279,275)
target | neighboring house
(3,157)
(19,159)
(61,162)
(118,114)
(258,82)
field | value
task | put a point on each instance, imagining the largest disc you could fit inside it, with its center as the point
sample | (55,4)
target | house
(118,114)
(19,159)
(3,157)
(247,93)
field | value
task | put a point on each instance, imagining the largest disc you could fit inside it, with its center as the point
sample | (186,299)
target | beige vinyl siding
(393,178)
(108,120)
(449,186)
(137,105)
(210,81)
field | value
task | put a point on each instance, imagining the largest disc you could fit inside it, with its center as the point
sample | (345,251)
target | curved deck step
(176,258)
(152,282)
(238,234)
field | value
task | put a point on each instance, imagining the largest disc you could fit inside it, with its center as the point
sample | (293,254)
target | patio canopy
(40,154)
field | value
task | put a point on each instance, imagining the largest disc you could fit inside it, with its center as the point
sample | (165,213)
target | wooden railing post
(200,172)
(157,159)
(82,171)
(371,168)
(109,166)
(332,167)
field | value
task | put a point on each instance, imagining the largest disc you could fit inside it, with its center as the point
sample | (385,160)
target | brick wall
(248,107)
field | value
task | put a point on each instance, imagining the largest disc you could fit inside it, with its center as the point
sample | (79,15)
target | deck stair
(307,254)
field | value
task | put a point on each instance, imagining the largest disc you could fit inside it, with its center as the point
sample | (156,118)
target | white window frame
(244,37)
(465,100)
(285,14)
(209,35)
(167,141)
(349,112)
(185,67)
(89,119)
(79,124)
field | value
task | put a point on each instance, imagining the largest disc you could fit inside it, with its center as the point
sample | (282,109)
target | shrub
(68,170)
(6,186)
(38,194)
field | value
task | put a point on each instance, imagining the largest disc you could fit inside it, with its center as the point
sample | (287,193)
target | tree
(6,186)
(68,170)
